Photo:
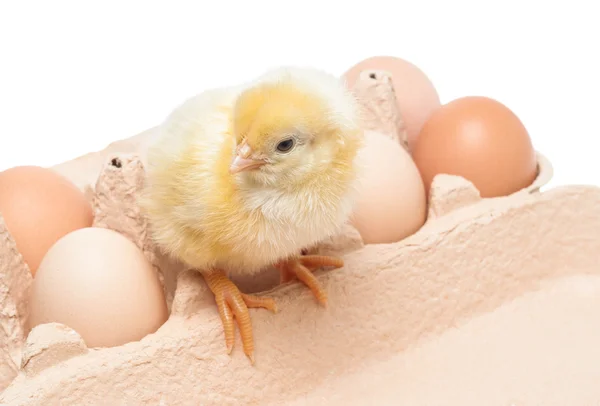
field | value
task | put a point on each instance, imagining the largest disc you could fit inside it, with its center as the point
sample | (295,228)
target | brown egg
(481,140)
(391,203)
(99,283)
(416,95)
(39,207)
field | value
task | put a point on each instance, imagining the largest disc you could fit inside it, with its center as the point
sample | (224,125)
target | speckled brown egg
(481,140)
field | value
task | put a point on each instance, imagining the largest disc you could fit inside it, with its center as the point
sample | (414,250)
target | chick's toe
(231,304)
(302,268)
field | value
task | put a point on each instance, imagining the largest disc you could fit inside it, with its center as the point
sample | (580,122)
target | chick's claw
(234,304)
(302,269)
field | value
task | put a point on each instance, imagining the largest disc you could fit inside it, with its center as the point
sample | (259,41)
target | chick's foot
(303,267)
(233,303)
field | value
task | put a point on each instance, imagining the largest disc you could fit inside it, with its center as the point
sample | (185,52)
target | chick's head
(294,124)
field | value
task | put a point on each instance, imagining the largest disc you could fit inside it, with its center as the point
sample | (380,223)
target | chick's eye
(285,146)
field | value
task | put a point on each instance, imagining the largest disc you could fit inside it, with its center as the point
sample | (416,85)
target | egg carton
(493,301)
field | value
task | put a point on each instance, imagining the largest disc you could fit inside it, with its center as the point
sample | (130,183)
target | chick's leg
(302,269)
(233,303)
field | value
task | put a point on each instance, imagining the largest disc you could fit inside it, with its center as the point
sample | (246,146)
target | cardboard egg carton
(493,301)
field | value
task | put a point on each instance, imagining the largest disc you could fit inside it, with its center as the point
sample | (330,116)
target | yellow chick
(245,177)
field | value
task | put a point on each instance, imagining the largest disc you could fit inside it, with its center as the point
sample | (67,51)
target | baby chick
(245,177)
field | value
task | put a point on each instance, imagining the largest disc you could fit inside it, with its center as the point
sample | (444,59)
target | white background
(76,76)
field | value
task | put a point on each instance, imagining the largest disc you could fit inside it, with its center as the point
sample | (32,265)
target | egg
(99,283)
(481,140)
(391,202)
(417,97)
(39,207)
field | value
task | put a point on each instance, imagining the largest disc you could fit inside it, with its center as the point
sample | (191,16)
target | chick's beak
(240,164)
